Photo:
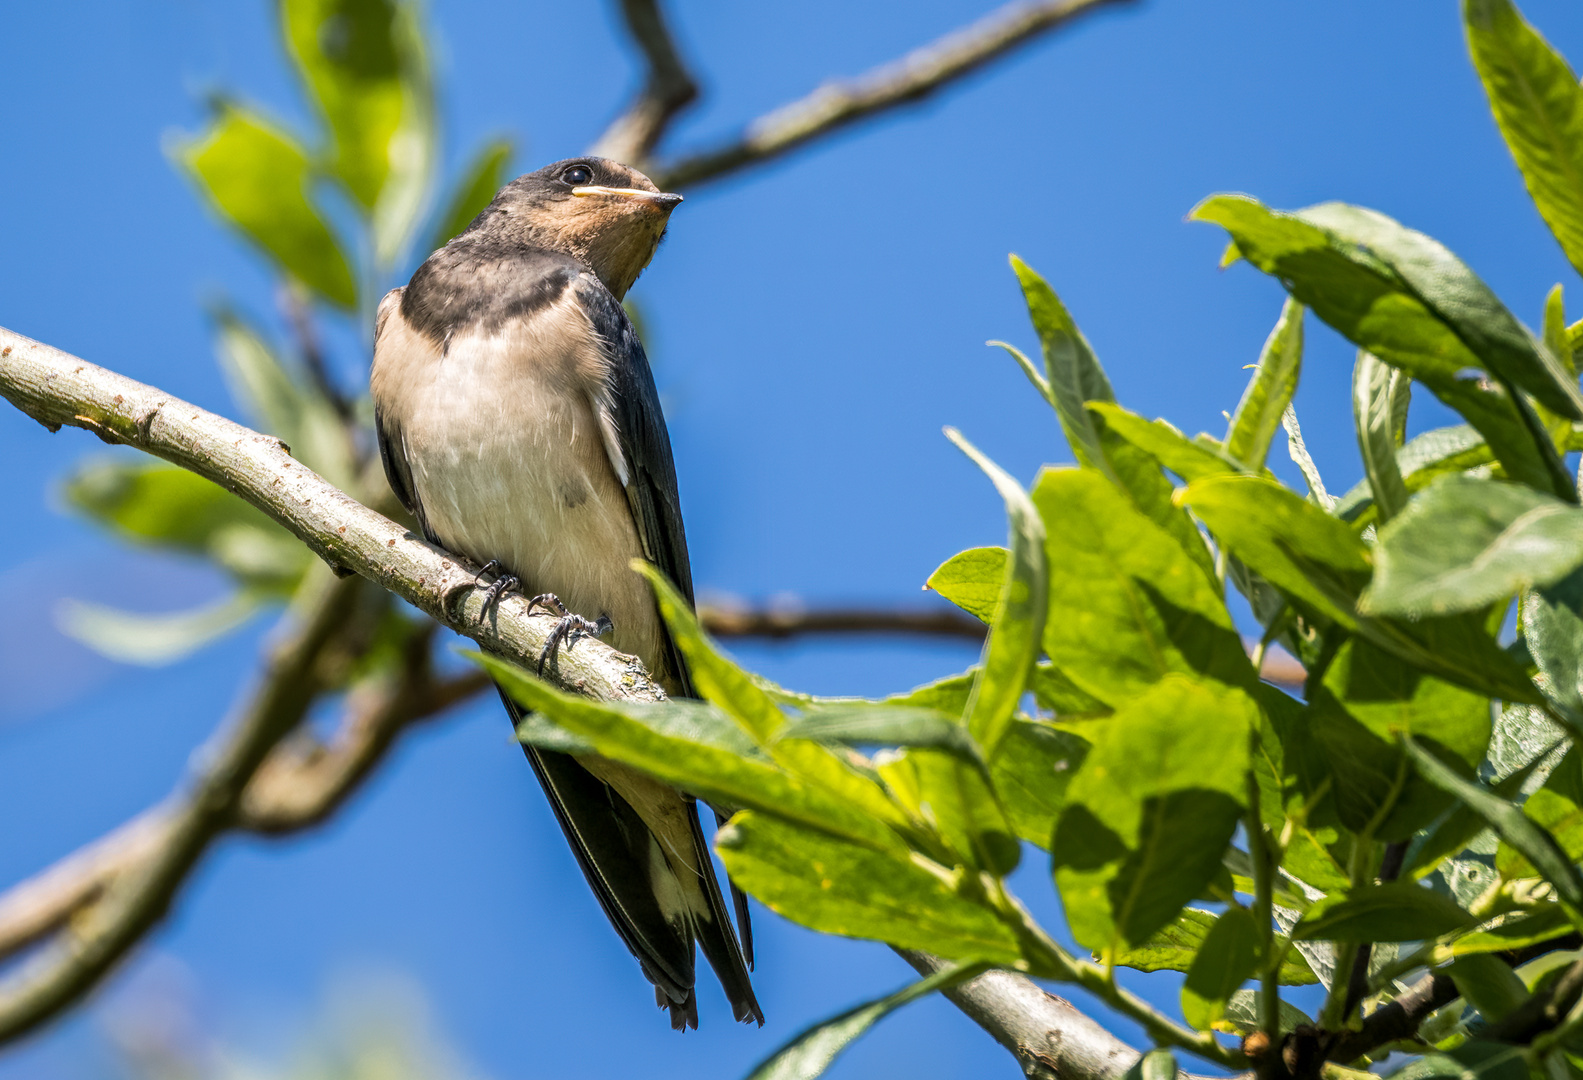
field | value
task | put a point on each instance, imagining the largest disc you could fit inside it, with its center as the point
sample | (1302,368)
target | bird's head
(606,215)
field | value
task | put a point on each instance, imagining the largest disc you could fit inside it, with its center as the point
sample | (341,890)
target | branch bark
(839,103)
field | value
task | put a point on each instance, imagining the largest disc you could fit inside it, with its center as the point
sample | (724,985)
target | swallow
(519,423)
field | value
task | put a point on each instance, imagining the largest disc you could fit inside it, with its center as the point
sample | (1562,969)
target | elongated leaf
(948,695)
(154,639)
(364,65)
(953,794)
(1152,809)
(1557,807)
(1298,451)
(1488,984)
(1072,372)
(1035,376)
(1430,455)
(721,681)
(162,506)
(1515,931)
(1393,911)
(257,177)
(813,1050)
(972,580)
(1552,625)
(1523,834)
(1242,1014)
(1018,625)
(841,888)
(1373,413)
(1190,459)
(1157,1064)
(1313,558)
(1127,604)
(1465,543)
(1409,301)
(1269,392)
(705,770)
(1473,1060)
(1225,961)
(1031,775)
(1539,108)
(860,723)
(481,178)
(1174,947)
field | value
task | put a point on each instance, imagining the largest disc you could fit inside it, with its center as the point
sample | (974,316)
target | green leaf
(1269,392)
(1031,775)
(1018,624)
(1458,829)
(1466,543)
(1174,947)
(1517,930)
(163,506)
(475,189)
(1393,911)
(1188,458)
(719,680)
(1430,455)
(948,695)
(1242,1014)
(840,888)
(282,402)
(972,580)
(1225,961)
(1053,689)
(1072,371)
(1040,383)
(364,65)
(1409,301)
(953,794)
(1473,1060)
(152,640)
(1539,109)
(1157,1064)
(1307,554)
(634,737)
(257,178)
(1557,807)
(880,724)
(1374,394)
(1128,605)
(1297,450)
(1488,984)
(1152,808)
(1552,629)
(815,1048)
(1521,832)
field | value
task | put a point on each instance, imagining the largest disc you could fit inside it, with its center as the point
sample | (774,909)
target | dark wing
(645,447)
(651,478)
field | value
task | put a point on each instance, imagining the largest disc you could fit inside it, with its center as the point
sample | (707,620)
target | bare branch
(913,77)
(728,620)
(1050,1038)
(56,388)
(667,90)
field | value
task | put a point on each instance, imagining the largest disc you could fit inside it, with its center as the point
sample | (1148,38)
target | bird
(519,423)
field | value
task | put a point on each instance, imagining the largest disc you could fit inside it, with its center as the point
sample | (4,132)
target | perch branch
(839,103)
(666,91)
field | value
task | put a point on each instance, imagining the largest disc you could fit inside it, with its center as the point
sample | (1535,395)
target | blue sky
(813,324)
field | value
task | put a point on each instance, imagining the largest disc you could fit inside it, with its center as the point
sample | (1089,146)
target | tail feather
(739,900)
(719,941)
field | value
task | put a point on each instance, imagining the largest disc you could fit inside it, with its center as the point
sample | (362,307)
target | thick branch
(913,77)
(1050,1038)
(666,91)
(56,388)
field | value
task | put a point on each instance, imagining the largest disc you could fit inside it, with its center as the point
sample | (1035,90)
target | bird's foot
(502,584)
(568,626)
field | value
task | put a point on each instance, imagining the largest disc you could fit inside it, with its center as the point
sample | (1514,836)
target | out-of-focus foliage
(364,68)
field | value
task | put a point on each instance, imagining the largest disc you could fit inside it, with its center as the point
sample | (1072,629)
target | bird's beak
(663,200)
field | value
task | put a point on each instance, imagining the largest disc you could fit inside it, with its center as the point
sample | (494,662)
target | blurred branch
(297,308)
(1050,1038)
(839,103)
(728,620)
(666,91)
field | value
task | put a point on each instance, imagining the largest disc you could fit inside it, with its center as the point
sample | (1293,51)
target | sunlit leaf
(1374,386)
(1032,773)
(1174,947)
(1269,392)
(257,178)
(153,639)
(1393,911)
(1226,959)
(972,580)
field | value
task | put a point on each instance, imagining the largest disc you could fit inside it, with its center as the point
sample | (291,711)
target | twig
(913,77)
(296,308)
(731,621)
(56,388)
(666,91)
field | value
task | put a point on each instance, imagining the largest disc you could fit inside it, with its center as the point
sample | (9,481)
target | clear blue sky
(813,324)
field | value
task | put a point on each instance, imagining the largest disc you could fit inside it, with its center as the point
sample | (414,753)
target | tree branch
(667,90)
(1049,1037)
(839,103)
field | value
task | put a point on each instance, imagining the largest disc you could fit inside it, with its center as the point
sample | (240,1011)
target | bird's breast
(512,460)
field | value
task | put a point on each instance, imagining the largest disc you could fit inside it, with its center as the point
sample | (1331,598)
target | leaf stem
(1263,903)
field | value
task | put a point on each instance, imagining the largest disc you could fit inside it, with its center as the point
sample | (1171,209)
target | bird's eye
(578,175)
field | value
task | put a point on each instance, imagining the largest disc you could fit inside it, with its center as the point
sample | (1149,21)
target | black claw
(496,589)
(567,628)
(549,601)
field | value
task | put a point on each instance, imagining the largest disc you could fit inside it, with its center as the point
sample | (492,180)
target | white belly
(509,463)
